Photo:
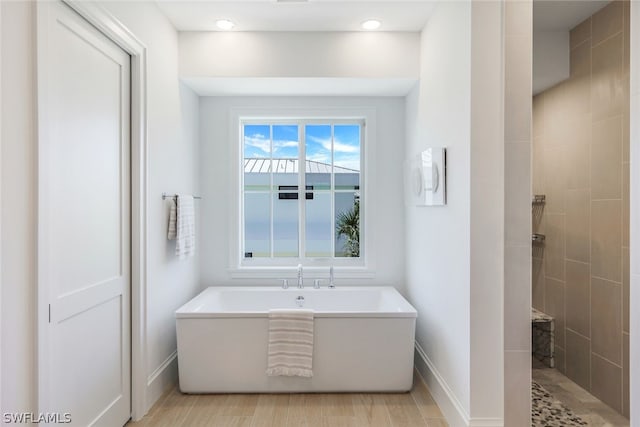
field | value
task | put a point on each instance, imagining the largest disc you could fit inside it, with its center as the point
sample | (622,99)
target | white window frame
(346,267)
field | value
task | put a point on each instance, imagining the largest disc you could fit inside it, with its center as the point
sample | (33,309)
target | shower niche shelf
(537,237)
(538,199)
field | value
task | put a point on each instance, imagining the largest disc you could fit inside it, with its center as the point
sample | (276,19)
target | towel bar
(173,196)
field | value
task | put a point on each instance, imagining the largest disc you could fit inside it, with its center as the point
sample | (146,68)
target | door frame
(117,32)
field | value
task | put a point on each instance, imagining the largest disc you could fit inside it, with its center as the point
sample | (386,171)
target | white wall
(301,54)
(437,246)
(550,59)
(216,160)
(173,167)
(455,253)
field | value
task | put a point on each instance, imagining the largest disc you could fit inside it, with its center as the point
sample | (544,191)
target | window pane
(285,172)
(257,141)
(285,155)
(285,142)
(285,226)
(346,156)
(257,225)
(318,156)
(318,225)
(256,181)
(257,153)
(347,207)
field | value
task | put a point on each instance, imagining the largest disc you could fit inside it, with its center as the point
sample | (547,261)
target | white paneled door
(84,221)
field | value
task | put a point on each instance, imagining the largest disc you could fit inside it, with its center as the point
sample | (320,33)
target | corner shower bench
(542,337)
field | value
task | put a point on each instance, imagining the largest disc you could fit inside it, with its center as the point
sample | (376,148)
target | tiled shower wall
(581,163)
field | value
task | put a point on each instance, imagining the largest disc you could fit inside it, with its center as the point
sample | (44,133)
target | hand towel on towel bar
(182,226)
(290,343)
(173,214)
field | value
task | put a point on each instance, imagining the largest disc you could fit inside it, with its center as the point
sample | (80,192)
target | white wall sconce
(426,181)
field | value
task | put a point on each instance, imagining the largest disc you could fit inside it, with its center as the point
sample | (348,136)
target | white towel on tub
(290,343)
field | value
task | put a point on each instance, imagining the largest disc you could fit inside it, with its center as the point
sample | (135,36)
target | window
(301,191)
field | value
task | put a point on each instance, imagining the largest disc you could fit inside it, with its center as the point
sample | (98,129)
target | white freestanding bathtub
(363,340)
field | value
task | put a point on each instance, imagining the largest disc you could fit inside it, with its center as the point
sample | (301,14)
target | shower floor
(575,398)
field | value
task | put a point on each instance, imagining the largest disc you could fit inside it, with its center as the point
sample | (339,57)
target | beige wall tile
(606,239)
(626,208)
(537,284)
(606,22)
(577,118)
(554,246)
(606,319)
(626,82)
(606,382)
(625,289)
(556,111)
(578,225)
(578,359)
(626,28)
(578,306)
(607,89)
(537,152)
(583,126)
(606,159)
(559,359)
(537,118)
(580,61)
(555,179)
(578,87)
(575,128)
(554,295)
(580,33)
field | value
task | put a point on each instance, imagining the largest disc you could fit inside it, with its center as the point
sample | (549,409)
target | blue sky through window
(346,143)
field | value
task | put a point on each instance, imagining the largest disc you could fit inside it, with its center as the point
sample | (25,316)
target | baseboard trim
(447,401)
(165,375)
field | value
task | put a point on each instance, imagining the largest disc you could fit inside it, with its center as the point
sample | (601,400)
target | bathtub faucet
(331,284)
(300,285)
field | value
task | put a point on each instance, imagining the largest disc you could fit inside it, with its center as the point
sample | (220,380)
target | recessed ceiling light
(225,24)
(371,24)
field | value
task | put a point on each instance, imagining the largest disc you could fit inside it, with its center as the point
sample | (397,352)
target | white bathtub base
(350,355)
(357,353)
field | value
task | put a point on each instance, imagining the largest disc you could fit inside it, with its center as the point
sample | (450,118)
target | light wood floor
(413,409)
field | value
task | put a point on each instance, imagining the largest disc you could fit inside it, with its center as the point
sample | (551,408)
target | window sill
(309,273)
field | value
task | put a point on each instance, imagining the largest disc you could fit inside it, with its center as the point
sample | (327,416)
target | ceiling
(559,15)
(296,86)
(312,15)
(337,15)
